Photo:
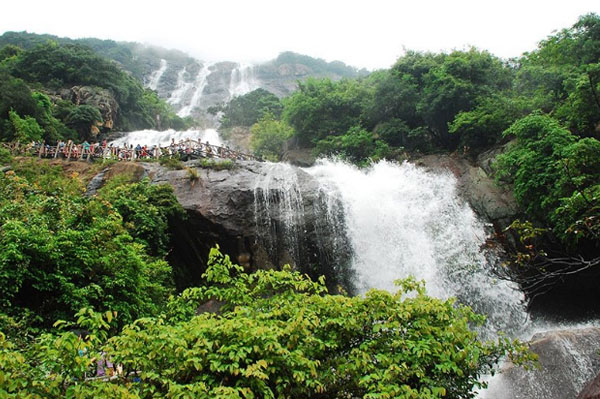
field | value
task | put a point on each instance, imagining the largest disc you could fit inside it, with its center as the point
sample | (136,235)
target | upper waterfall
(156,75)
(193,87)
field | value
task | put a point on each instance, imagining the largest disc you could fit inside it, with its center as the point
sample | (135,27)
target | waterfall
(198,89)
(279,211)
(163,138)
(401,220)
(182,89)
(156,75)
(242,81)
(301,224)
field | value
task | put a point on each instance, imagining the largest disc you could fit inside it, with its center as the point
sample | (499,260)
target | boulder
(100,98)
(263,215)
(567,358)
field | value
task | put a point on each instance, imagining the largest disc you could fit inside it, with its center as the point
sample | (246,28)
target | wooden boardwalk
(184,150)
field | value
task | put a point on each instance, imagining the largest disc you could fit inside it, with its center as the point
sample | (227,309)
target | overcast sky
(365,33)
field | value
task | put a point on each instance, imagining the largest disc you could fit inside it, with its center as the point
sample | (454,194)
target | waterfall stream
(402,220)
(163,138)
(156,75)
(368,227)
(212,84)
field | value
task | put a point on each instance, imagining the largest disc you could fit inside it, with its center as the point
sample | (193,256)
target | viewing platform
(184,150)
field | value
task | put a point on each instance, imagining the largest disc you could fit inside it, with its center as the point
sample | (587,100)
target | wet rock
(568,359)
(267,214)
(96,182)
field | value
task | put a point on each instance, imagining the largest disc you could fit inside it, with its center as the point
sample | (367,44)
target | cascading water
(401,220)
(278,210)
(242,81)
(198,88)
(181,92)
(163,138)
(156,75)
(300,224)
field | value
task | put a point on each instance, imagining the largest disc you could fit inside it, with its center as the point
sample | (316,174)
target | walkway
(185,150)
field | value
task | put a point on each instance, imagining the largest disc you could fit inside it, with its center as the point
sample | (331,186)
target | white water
(156,75)
(198,89)
(163,138)
(402,221)
(242,81)
(181,91)
(277,196)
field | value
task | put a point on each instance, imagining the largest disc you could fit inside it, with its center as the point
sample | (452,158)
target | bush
(224,164)
(276,334)
(61,251)
(171,163)
(5,156)
(269,136)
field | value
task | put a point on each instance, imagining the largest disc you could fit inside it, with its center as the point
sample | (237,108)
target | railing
(185,150)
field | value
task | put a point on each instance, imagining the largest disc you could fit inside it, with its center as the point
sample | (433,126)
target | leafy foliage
(321,108)
(26,129)
(61,251)
(248,109)
(269,136)
(555,177)
(82,118)
(357,145)
(53,67)
(277,334)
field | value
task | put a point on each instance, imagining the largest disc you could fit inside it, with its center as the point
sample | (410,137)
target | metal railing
(184,150)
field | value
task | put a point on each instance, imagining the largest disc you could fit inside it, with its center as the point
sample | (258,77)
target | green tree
(9,52)
(321,108)
(571,58)
(482,127)
(455,86)
(248,109)
(575,220)
(26,129)
(532,164)
(14,95)
(82,118)
(357,145)
(61,251)
(147,211)
(269,136)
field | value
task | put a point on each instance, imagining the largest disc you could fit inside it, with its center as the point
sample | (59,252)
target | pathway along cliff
(361,228)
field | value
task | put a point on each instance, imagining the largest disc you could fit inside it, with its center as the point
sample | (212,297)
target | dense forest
(84,279)
(56,92)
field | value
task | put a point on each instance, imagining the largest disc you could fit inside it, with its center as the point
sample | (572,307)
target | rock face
(261,214)
(568,359)
(97,97)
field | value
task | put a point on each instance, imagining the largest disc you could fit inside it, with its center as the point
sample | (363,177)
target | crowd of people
(184,149)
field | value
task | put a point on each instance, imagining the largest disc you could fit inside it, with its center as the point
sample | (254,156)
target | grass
(224,164)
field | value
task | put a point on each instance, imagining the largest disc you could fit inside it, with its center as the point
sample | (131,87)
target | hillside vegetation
(52,91)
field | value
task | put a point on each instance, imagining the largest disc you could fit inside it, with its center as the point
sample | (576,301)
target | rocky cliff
(264,215)
(567,360)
